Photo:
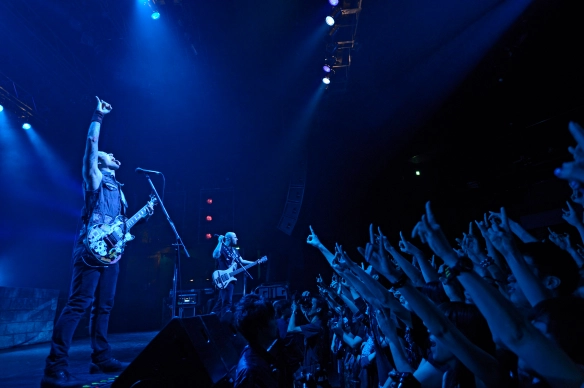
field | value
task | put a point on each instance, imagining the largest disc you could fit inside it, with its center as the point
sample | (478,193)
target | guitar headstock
(263,259)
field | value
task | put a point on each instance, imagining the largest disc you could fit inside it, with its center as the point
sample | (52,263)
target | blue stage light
(1,108)
(334,3)
(326,80)
(330,20)
(327,68)
(155,15)
(26,126)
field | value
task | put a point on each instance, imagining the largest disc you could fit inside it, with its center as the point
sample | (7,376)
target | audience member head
(318,308)
(553,266)
(283,308)
(255,319)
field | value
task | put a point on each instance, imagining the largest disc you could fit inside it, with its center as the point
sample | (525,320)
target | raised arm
(370,289)
(315,242)
(479,362)
(515,227)
(428,272)
(217,251)
(412,272)
(505,321)
(91,173)
(502,239)
(564,243)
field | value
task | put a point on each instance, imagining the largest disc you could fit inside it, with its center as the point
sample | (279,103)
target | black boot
(109,366)
(60,379)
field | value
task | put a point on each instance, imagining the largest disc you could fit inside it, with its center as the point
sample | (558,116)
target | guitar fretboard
(246,267)
(137,217)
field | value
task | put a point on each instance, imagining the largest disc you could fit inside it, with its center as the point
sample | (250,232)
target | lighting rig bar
(16,99)
(340,43)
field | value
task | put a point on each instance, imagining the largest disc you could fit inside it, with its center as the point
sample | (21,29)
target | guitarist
(224,254)
(90,286)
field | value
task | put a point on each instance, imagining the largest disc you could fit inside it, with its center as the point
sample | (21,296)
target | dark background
(227,96)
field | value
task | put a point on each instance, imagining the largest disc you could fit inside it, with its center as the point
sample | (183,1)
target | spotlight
(329,65)
(1,108)
(155,15)
(330,20)
(334,3)
(26,126)
(326,80)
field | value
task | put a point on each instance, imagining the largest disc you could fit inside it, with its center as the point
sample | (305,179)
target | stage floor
(23,366)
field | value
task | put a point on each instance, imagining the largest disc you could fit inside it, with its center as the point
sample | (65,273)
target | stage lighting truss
(20,102)
(340,43)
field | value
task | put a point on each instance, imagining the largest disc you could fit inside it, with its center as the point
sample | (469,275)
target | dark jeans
(97,285)
(224,300)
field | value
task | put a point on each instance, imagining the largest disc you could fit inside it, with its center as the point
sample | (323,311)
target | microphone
(142,171)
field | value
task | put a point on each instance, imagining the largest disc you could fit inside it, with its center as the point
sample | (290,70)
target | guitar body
(223,278)
(106,241)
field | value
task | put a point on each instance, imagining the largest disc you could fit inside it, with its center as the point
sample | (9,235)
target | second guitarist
(225,254)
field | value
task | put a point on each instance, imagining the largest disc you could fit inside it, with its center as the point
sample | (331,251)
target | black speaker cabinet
(188,352)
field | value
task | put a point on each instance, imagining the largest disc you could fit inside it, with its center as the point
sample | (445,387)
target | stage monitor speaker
(188,352)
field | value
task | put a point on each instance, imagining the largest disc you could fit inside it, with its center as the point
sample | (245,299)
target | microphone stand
(176,245)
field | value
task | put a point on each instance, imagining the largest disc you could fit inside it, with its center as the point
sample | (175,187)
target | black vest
(101,206)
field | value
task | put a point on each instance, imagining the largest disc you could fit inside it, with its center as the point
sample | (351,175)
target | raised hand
(341,261)
(470,245)
(570,216)
(574,171)
(483,225)
(385,266)
(577,195)
(561,240)
(430,232)
(571,171)
(578,133)
(103,106)
(319,280)
(407,247)
(500,234)
(312,238)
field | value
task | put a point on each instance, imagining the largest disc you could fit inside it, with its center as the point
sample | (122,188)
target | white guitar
(106,242)
(223,278)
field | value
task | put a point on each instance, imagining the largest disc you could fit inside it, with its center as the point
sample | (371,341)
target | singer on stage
(92,286)
(225,253)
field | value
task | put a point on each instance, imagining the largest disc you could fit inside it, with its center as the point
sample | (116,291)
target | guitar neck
(244,268)
(137,217)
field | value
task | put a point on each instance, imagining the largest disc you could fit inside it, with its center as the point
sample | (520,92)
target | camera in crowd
(304,301)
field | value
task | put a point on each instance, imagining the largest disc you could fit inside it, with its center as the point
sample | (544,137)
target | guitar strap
(225,250)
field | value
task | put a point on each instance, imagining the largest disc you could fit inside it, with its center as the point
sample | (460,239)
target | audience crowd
(495,307)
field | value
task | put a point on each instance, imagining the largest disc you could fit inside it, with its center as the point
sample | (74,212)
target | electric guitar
(106,242)
(223,278)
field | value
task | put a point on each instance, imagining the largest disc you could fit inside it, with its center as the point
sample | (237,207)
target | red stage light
(209,218)
(208,236)
(209,200)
